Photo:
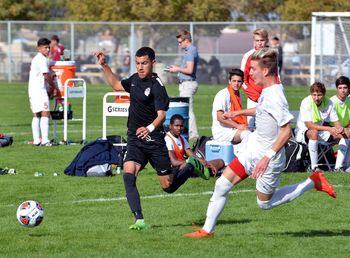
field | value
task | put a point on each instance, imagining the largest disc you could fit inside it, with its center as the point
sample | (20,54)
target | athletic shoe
(48,144)
(199,168)
(321,184)
(338,170)
(199,233)
(3,171)
(139,225)
(317,170)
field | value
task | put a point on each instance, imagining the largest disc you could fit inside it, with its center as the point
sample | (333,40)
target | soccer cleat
(139,225)
(48,144)
(321,184)
(199,233)
(199,168)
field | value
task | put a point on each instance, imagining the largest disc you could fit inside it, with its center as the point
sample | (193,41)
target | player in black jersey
(149,102)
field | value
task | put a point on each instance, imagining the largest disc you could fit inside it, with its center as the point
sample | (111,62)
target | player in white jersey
(341,103)
(318,122)
(38,90)
(229,99)
(261,154)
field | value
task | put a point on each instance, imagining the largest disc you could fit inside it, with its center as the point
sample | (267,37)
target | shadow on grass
(316,233)
(201,222)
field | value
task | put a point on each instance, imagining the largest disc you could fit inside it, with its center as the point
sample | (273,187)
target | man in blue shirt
(187,76)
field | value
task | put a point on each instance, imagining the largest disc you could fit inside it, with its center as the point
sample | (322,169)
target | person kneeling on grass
(261,154)
(182,157)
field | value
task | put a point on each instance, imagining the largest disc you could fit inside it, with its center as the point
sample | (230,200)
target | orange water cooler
(62,71)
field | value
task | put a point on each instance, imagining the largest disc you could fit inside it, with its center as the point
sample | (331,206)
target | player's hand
(213,169)
(260,167)
(242,127)
(101,57)
(56,92)
(142,132)
(229,114)
(173,68)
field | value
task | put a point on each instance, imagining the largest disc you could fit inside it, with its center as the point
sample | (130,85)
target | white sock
(36,130)
(44,126)
(217,203)
(342,150)
(313,145)
(347,155)
(287,194)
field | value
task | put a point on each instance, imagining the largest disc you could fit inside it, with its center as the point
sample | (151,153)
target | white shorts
(323,136)
(224,134)
(248,157)
(39,103)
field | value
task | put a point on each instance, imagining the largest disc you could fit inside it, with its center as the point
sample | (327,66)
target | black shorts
(153,150)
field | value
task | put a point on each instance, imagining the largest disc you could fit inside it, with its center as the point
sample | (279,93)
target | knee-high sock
(287,194)
(132,195)
(313,145)
(44,127)
(36,130)
(217,203)
(347,155)
(180,176)
(342,150)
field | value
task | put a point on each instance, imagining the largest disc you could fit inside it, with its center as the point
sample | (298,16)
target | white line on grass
(156,196)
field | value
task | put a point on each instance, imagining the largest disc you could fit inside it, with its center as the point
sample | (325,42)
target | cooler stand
(74,92)
(114,109)
(70,92)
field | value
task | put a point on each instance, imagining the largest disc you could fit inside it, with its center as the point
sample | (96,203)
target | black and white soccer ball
(30,213)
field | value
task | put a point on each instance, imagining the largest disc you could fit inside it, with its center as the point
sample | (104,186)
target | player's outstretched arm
(111,78)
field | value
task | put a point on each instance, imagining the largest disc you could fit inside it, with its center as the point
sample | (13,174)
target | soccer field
(89,217)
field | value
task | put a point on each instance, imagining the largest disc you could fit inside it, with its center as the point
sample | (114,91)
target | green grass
(89,217)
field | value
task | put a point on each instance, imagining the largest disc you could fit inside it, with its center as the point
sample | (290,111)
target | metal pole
(9,51)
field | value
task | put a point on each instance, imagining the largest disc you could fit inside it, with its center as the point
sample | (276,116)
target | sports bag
(296,156)
(5,140)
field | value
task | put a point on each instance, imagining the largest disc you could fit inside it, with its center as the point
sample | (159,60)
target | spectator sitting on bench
(182,157)
(228,99)
(341,103)
(316,111)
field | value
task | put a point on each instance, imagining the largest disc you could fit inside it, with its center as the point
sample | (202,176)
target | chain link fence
(223,42)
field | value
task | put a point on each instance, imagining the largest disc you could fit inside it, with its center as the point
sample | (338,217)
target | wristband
(270,153)
(150,128)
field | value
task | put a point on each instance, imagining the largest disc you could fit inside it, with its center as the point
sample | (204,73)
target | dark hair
(342,80)
(276,38)
(318,87)
(56,38)
(43,42)
(176,117)
(146,51)
(237,72)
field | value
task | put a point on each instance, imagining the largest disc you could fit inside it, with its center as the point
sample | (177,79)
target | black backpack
(296,156)
(199,146)
(5,140)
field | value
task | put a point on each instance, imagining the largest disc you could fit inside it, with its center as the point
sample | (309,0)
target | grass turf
(89,217)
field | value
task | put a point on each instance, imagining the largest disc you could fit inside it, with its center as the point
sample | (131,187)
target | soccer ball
(30,213)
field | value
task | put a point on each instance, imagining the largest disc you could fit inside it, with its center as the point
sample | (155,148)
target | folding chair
(326,159)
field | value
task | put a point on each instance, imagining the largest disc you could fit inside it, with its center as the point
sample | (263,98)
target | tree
(292,10)
(29,9)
